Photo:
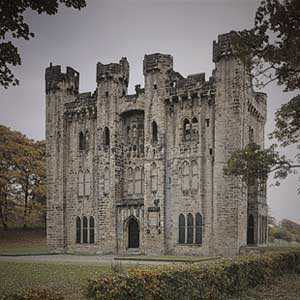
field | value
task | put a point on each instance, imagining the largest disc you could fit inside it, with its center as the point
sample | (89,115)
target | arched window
(137,181)
(143,181)
(195,129)
(106,180)
(92,230)
(181,226)
(84,230)
(186,130)
(195,180)
(81,141)
(250,230)
(185,176)
(78,230)
(86,140)
(199,224)
(80,183)
(130,181)
(87,183)
(190,229)
(154,132)
(106,137)
(153,177)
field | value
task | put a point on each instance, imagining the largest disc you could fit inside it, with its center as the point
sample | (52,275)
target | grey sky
(107,30)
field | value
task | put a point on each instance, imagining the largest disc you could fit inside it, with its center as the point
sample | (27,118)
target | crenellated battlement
(119,71)
(223,47)
(54,76)
(156,62)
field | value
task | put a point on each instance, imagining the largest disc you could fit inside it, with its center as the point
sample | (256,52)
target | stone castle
(144,173)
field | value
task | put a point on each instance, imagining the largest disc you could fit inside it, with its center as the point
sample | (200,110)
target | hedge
(34,294)
(214,281)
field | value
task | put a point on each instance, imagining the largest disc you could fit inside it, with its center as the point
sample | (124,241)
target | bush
(34,294)
(215,281)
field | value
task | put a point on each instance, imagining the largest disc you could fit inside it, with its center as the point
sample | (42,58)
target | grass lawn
(166,258)
(19,241)
(69,279)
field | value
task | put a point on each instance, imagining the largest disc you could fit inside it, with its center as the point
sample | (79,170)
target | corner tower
(229,196)
(61,88)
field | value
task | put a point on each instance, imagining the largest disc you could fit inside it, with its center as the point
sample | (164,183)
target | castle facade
(144,173)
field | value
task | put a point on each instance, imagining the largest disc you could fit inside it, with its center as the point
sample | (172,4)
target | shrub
(34,294)
(214,281)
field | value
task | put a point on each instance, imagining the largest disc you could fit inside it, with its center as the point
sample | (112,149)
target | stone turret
(57,80)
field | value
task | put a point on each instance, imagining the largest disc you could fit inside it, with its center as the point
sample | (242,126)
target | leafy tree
(270,51)
(22,174)
(13,26)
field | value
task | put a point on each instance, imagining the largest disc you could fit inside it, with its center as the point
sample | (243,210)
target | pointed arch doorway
(133,234)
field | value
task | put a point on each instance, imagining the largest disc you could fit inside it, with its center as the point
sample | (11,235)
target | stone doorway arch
(133,233)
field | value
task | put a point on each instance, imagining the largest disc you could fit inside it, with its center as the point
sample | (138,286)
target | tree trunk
(26,204)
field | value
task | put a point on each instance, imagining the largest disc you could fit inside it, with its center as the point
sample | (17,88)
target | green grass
(69,279)
(19,241)
(167,258)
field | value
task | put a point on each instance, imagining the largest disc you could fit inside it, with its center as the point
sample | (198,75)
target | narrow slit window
(181,226)
(92,230)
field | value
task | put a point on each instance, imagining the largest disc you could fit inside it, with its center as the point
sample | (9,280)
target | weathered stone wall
(153,156)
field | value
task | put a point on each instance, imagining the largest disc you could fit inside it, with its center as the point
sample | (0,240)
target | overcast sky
(107,30)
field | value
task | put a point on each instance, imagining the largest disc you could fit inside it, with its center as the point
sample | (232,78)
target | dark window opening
(198,229)
(210,151)
(250,230)
(81,141)
(186,130)
(106,94)
(106,136)
(154,132)
(78,230)
(195,130)
(92,230)
(190,229)
(207,122)
(181,239)
(84,230)
(155,86)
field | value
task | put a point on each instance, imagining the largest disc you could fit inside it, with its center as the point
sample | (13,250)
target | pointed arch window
(84,230)
(106,180)
(153,178)
(137,181)
(181,226)
(195,176)
(185,176)
(87,183)
(154,129)
(80,183)
(186,130)
(78,230)
(190,229)
(195,129)
(92,230)
(81,141)
(199,230)
(106,137)
(130,181)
